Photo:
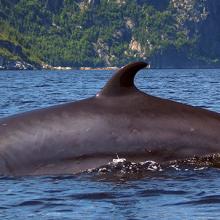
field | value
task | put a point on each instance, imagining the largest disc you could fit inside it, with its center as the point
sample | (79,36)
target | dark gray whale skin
(69,138)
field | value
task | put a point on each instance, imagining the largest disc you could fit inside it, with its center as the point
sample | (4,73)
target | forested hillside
(97,33)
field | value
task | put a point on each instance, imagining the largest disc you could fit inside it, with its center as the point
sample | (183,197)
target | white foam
(176,167)
(148,161)
(118,160)
(200,168)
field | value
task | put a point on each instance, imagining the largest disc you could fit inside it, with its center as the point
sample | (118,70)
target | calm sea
(168,194)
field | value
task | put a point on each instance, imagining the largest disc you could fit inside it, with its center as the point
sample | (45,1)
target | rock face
(6,64)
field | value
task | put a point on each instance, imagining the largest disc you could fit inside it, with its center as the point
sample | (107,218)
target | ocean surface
(172,193)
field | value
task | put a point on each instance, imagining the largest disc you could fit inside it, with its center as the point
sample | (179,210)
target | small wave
(207,200)
(30,203)
(122,166)
(93,196)
(159,192)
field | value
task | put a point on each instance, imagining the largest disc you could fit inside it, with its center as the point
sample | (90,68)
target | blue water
(168,194)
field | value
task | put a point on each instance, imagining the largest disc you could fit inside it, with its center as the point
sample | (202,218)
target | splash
(123,166)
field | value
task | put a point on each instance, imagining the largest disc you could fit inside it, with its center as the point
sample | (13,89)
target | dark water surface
(167,194)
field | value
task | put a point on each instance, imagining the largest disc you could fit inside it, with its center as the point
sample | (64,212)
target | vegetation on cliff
(106,33)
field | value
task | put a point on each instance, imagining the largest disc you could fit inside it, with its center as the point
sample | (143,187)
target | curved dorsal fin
(123,80)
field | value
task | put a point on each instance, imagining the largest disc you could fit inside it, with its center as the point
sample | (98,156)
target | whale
(119,120)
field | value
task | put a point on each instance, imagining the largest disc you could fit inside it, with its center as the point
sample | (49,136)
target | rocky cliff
(167,33)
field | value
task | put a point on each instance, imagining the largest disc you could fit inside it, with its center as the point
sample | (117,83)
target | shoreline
(60,68)
(47,67)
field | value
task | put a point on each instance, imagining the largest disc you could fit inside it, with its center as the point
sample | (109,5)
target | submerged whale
(120,119)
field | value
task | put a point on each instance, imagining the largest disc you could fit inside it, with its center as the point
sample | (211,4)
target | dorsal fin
(123,80)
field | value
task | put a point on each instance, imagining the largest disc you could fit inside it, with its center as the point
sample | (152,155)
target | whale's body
(121,120)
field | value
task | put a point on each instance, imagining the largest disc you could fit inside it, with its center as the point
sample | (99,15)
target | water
(168,194)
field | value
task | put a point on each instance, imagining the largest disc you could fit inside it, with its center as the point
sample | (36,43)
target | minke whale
(120,120)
